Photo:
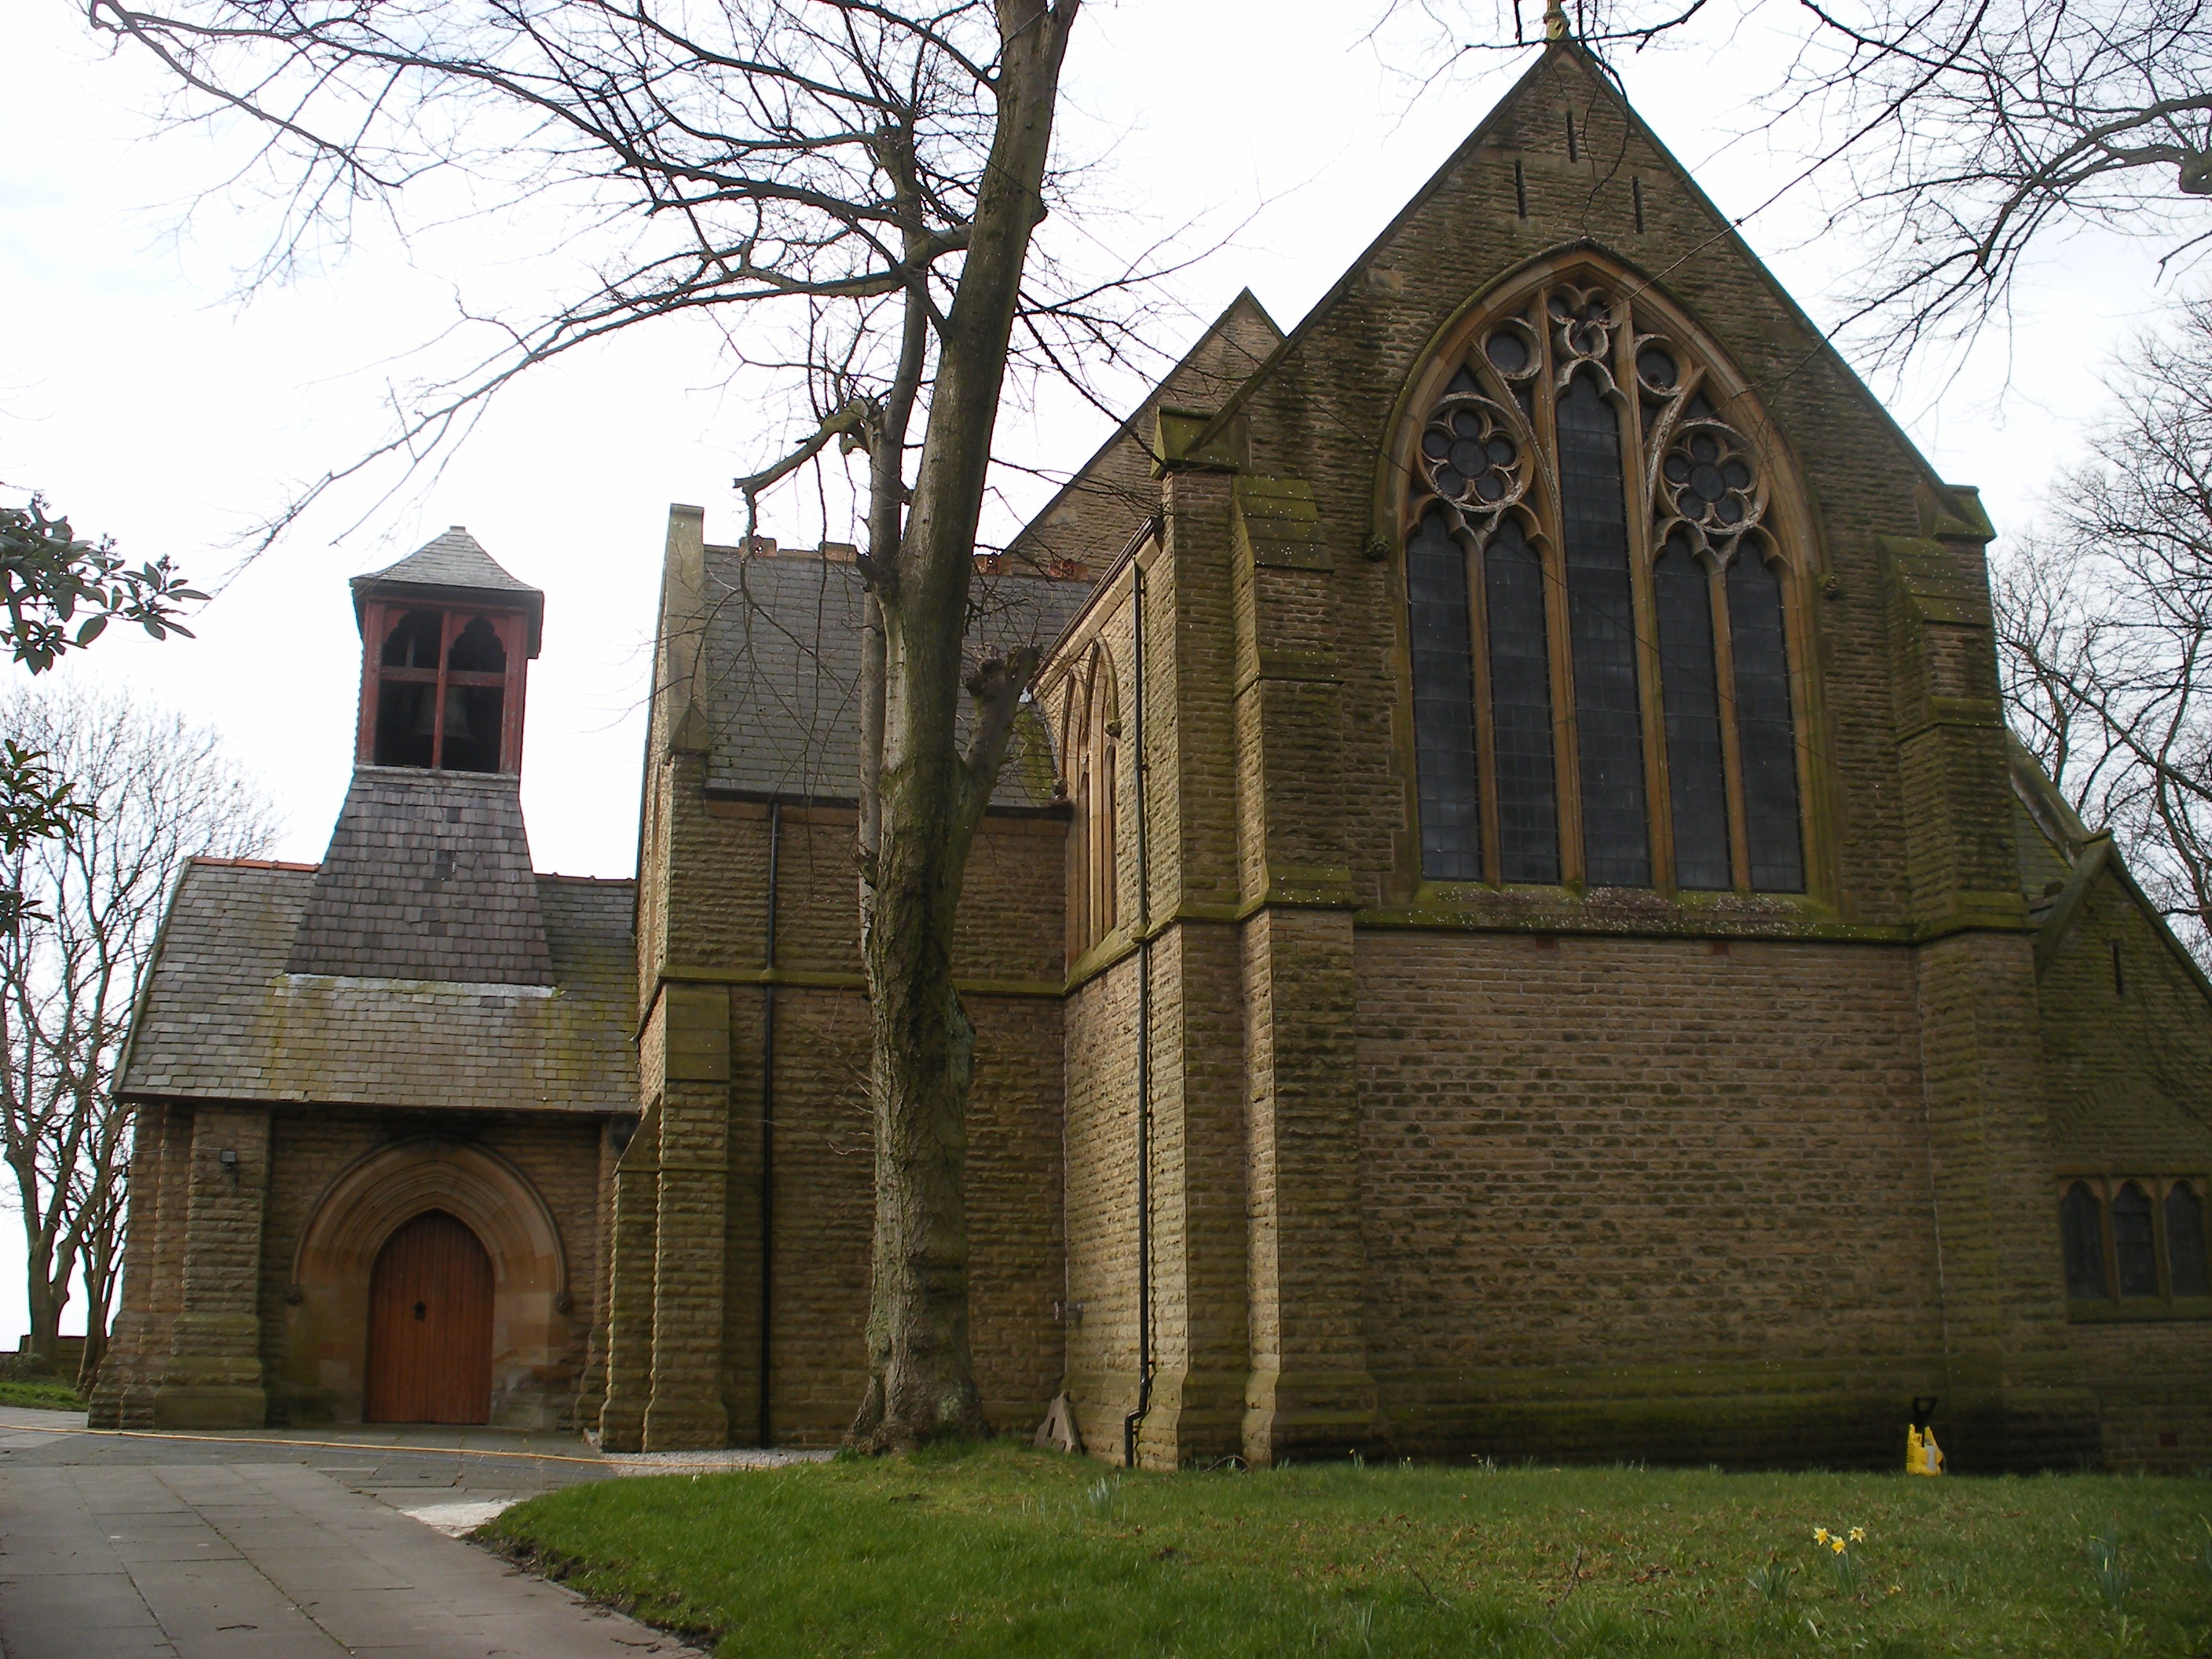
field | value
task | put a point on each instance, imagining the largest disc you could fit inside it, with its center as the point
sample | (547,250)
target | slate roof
(222,1019)
(782,669)
(453,566)
(455,559)
(428,876)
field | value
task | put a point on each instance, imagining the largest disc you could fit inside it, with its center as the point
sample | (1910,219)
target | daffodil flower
(1819,1535)
(1858,1534)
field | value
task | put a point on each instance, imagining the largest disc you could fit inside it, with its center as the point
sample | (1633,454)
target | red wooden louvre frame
(381,617)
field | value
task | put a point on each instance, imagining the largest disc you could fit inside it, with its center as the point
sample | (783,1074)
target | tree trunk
(44,1309)
(930,797)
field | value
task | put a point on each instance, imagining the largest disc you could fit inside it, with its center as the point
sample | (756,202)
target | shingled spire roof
(455,559)
(428,878)
(455,563)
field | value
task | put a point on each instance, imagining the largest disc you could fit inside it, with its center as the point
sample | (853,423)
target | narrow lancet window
(1444,703)
(2134,1242)
(2082,1236)
(2185,1241)
(1765,729)
(1690,686)
(1602,624)
(1521,707)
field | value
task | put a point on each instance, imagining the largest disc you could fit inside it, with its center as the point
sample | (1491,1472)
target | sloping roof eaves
(2088,855)
(222,1020)
(1217,362)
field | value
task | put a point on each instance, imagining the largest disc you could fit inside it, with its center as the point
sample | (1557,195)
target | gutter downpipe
(1145,1357)
(767,1119)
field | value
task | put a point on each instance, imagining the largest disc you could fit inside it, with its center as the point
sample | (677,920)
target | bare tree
(871,172)
(1953,137)
(2105,627)
(160,789)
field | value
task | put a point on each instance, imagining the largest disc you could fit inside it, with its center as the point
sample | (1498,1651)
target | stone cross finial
(1555,21)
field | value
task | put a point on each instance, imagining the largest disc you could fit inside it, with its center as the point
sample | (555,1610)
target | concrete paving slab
(93,1602)
(190,1546)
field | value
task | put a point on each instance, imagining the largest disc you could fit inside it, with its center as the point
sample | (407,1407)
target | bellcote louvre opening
(437,692)
(446,639)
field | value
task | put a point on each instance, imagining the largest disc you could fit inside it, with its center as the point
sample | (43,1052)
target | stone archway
(327,1315)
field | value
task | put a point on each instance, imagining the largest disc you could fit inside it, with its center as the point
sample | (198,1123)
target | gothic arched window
(1092,728)
(2135,1244)
(2081,1238)
(2186,1268)
(1599,604)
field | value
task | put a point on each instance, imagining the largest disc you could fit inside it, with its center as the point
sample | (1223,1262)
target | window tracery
(1599,609)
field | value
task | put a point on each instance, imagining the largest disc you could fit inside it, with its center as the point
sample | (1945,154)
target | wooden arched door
(430,1326)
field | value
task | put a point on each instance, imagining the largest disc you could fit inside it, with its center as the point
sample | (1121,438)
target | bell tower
(429,876)
(446,639)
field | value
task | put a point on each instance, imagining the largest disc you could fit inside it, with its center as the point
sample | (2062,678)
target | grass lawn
(1002,1551)
(42,1396)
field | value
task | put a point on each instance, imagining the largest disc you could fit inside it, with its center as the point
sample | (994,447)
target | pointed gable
(1562,162)
(1112,493)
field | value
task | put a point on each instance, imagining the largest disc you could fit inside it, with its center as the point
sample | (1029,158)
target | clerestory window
(1599,598)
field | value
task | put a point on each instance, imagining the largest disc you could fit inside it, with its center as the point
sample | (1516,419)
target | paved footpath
(197,1547)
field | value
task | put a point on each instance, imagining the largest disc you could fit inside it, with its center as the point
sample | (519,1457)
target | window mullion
(448,634)
(1490,823)
(2104,1190)
(1731,742)
(2160,1186)
(1550,546)
(1635,487)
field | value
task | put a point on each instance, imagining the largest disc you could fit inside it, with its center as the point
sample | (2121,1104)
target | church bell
(457,716)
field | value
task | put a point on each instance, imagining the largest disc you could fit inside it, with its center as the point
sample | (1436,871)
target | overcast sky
(136,394)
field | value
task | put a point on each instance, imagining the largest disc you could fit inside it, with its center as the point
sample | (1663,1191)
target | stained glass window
(1444,703)
(2082,1231)
(2134,1245)
(1590,529)
(2185,1241)
(1689,680)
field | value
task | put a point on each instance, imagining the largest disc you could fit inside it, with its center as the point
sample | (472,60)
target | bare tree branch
(160,790)
(1954,136)
(2105,627)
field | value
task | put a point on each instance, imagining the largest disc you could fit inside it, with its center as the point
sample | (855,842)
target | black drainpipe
(1129,1425)
(768,1116)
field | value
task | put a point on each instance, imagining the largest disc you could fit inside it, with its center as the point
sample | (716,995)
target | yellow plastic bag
(1922,1455)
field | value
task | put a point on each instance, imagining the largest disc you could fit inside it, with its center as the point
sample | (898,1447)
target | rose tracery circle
(1711,480)
(1472,459)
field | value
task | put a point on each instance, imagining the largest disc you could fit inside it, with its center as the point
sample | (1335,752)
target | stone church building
(1513,925)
